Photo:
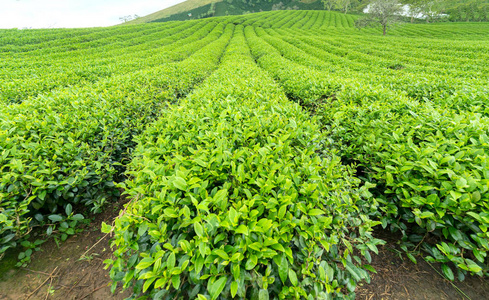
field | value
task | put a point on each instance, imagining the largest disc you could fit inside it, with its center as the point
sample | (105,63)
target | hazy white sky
(74,13)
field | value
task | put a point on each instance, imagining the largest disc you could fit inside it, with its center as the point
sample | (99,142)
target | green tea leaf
(180,183)
(171,261)
(251,262)
(315,212)
(221,253)
(234,289)
(175,279)
(283,268)
(242,229)
(293,277)
(217,287)
(447,272)
(199,230)
(145,263)
(106,228)
(55,218)
(263,295)
(68,209)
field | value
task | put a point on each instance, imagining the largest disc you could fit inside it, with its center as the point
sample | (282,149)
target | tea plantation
(258,152)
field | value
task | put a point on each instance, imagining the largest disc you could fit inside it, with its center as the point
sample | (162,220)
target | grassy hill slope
(458,10)
(180,8)
(214,8)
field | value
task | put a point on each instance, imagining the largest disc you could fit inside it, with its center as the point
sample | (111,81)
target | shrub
(230,199)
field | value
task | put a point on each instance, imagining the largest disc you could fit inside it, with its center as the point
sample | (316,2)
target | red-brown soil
(59,273)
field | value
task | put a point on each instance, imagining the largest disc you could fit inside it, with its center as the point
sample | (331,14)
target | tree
(329,4)
(432,9)
(278,6)
(125,19)
(343,5)
(128,18)
(415,8)
(360,5)
(383,12)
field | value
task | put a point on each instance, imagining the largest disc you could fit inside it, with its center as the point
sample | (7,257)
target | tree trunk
(384,29)
(412,19)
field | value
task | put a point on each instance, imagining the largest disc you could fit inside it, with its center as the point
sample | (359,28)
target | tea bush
(432,165)
(70,146)
(230,199)
(426,157)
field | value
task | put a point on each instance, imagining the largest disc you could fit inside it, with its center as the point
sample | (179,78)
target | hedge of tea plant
(68,147)
(230,198)
(427,157)
(26,74)
(408,111)
(432,166)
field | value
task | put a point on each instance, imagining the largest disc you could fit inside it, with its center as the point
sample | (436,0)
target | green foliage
(468,11)
(422,141)
(231,199)
(68,147)
(238,7)
(432,167)
(236,191)
(24,257)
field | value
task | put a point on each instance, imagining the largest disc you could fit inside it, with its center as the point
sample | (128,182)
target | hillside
(213,8)
(456,10)
(178,9)
(273,155)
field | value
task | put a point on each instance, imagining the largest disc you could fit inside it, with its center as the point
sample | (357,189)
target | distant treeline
(432,10)
(472,10)
(455,10)
(238,7)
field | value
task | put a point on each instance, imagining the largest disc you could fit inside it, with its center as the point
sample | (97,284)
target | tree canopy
(456,10)
(383,12)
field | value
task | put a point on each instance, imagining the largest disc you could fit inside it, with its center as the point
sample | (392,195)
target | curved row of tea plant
(274,213)
(468,92)
(332,23)
(16,37)
(367,57)
(371,55)
(76,70)
(296,20)
(106,46)
(429,162)
(83,42)
(230,199)
(431,165)
(68,147)
(29,75)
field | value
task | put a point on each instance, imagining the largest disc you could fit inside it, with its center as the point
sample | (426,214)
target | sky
(74,13)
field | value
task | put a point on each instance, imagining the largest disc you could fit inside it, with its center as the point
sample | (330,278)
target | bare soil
(59,273)
(398,278)
(62,273)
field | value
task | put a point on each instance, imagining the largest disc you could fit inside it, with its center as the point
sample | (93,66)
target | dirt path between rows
(399,278)
(58,273)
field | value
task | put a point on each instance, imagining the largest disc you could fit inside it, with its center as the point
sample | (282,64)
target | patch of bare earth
(399,278)
(75,270)
(59,273)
